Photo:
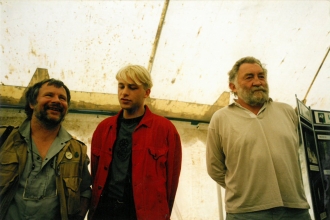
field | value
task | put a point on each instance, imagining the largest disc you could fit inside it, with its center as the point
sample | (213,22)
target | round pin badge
(68,155)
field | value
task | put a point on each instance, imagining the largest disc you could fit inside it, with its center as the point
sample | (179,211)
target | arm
(84,206)
(95,150)
(215,158)
(173,165)
(85,189)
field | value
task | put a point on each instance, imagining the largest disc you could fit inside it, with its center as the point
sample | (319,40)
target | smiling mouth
(55,108)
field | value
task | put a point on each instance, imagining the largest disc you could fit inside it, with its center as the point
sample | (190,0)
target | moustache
(259,88)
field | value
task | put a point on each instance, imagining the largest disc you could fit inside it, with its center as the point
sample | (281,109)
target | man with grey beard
(252,150)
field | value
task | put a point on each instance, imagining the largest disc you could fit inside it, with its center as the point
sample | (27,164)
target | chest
(43,147)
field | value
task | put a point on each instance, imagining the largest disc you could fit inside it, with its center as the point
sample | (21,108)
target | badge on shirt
(68,155)
(76,155)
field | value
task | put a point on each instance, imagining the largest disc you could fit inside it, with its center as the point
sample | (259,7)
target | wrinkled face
(251,85)
(131,96)
(51,105)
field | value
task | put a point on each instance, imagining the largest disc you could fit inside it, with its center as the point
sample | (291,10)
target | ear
(31,106)
(147,93)
(232,87)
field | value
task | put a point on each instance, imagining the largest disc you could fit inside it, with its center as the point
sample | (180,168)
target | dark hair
(33,91)
(233,72)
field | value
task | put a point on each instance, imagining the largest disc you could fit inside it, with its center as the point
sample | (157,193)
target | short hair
(33,91)
(233,72)
(137,73)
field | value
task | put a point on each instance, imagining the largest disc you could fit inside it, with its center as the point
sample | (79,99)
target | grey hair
(233,72)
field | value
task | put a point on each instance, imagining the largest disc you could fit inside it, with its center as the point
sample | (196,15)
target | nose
(56,99)
(256,81)
(125,90)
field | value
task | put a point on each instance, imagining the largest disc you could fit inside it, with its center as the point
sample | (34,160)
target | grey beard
(255,100)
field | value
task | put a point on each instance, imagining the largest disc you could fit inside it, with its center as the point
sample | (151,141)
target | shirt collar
(233,102)
(24,129)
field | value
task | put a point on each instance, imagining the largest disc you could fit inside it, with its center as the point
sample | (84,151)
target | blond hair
(137,73)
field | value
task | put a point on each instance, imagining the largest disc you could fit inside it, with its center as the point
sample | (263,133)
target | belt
(116,201)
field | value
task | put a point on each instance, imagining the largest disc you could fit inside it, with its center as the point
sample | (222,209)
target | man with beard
(252,150)
(44,171)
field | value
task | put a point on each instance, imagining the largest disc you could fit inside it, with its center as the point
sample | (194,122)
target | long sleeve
(174,165)
(215,158)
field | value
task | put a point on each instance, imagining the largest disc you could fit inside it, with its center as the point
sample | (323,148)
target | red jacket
(156,164)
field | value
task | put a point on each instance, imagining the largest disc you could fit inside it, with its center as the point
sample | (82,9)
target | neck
(253,109)
(133,113)
(43,132)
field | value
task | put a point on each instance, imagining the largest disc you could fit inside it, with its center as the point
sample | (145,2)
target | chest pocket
(70,169)
(157,158)
(157,153)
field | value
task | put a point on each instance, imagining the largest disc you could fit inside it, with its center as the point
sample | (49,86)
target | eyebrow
(253,73)
(129,84)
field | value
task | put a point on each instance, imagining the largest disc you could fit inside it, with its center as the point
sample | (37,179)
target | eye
(133,87)
(63,98)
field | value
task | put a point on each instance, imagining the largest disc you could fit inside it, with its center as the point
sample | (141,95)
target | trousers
(113,209)
(279,213)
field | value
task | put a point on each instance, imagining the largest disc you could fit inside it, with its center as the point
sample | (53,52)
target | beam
(108,103)
(104,103)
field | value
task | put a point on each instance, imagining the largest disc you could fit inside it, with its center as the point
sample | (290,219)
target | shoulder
(225,109)
(75,143)
(78,141)
(108,122)
(282,106)
(223,112)
(285,109)
(161,120)
(158,122)
(77,146)
(6,131)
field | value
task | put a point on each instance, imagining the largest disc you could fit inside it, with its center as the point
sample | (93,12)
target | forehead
(52,88)
(246,68)
(129,81)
